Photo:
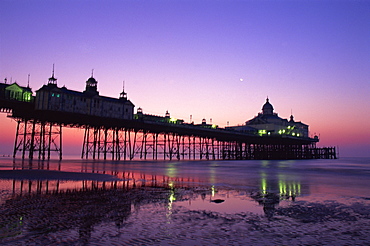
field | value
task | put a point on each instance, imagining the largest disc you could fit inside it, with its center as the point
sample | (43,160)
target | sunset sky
(216,60)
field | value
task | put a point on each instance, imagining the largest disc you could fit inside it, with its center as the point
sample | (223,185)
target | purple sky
(208,59)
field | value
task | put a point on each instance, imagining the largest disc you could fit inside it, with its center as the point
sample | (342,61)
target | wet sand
(136,205)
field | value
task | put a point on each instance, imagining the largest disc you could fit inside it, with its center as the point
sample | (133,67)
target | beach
(85,202)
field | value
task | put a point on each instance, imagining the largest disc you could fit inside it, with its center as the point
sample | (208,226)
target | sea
(238,202)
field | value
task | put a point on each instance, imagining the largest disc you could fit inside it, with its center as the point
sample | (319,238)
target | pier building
(204,124)
(15,92)
(53,98)
(156,118)
(268,123)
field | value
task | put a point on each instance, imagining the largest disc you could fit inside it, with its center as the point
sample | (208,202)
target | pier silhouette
(113,131)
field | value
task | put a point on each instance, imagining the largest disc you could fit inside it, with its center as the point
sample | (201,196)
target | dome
(92,81)
(267,107)
(91,86)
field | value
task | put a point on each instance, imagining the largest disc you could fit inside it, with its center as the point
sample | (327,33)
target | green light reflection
(171,170)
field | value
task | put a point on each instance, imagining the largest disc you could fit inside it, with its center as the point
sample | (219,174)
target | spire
(291,116)
(52,79)
(28,82)
(123,94)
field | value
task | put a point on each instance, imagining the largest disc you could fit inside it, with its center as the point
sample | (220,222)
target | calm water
(79,202)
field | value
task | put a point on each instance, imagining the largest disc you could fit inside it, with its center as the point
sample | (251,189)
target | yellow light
(293,134)
(27,97)
(288,127)
(172,197)
(281,189)
(173,120)
(264,185)
(214,126)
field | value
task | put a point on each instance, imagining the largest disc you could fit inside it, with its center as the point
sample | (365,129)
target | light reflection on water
(227,187)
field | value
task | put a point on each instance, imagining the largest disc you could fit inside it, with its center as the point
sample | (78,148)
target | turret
(91,86)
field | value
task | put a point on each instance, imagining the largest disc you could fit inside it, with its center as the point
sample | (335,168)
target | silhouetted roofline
(53,87)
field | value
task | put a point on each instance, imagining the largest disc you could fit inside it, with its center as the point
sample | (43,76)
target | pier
(113,132)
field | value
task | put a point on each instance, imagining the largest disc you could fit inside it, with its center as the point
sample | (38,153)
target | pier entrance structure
(112,131)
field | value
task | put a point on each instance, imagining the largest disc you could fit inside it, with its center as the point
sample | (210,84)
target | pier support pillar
(34,136)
